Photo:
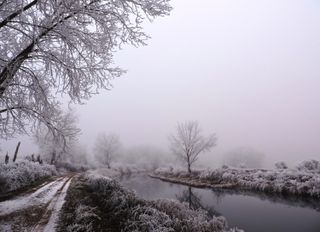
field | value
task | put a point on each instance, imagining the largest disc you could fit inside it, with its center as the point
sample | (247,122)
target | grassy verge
(96,203)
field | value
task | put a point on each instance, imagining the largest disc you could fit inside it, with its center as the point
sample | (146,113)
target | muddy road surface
(37,210)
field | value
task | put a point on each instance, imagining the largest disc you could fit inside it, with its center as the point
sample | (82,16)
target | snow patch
(40,197)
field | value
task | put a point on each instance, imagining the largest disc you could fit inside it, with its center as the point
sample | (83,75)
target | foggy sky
(247,70)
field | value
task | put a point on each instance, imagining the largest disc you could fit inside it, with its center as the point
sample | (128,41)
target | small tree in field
(106,148)
(188,142)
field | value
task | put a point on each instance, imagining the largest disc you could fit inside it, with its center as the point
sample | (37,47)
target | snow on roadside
(40,197)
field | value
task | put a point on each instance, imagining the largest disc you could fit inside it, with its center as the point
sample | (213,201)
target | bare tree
(55,145)
(50,47)
(188,142)
(106,148)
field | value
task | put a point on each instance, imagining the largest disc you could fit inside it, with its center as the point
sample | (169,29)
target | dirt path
(36,211)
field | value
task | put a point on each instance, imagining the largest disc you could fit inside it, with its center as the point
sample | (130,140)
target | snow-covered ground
(302,180)
(54,209)
(36,211)
(14,176)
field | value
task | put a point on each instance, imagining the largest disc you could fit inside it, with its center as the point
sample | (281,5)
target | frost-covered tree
(106,148)
(78,154)
(53,145)
(188,143)
(50,47)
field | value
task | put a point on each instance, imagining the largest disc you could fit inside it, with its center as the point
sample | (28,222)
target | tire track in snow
(48,221)
(37,211)
(42,196)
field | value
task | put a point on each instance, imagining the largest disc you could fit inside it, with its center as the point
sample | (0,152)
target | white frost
(42,196)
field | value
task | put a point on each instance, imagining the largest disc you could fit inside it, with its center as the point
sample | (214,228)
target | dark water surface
(248,211)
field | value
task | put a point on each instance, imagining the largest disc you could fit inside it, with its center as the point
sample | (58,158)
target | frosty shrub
(281,165)
(73,167)
(301,181)
(84,219)
(14,176)
(145,218)
(185,219)
(309,165)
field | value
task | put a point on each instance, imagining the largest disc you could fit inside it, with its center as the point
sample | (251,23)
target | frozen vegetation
(303,180)
(111,207)
(14,176)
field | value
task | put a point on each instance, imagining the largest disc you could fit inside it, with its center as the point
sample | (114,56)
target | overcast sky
(247,70)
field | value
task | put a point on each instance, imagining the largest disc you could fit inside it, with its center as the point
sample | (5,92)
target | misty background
(246,70)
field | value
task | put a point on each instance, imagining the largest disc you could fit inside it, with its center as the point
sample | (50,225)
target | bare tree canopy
(106,148)
(188,143)
(50,47)
(53,144)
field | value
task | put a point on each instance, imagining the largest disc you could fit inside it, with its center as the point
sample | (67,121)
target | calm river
(251,212)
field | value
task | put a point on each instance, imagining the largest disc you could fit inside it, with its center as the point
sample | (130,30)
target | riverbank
(296,182)
(192,182)
(99,203)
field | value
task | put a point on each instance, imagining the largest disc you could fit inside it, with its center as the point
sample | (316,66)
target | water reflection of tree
(194,202)
(218,195)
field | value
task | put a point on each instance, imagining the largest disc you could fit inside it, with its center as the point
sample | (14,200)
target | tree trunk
(189,168)
(39,159)
(16,152)
(7,158)
(53,158)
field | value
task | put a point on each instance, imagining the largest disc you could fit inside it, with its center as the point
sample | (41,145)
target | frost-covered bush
(176,170)
(16,175)
(126,169)
(73,167)
(134,214)
(302,181)
(146,218)
(185,219)
(84,218)
(281,165)
(309,165)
